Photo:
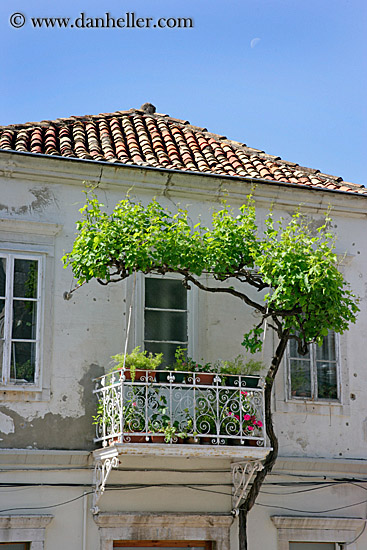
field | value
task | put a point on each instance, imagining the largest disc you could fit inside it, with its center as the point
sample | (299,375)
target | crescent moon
(254,41)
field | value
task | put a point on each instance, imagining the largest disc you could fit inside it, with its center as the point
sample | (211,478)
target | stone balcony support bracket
(244,463)
(242,474)
(102,468)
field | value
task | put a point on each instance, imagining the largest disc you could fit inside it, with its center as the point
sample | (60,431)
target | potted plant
(163,428)
(185,367)
(139,365)
(233,422)
(134,426)
(239,367)
(245,414)
(132,417)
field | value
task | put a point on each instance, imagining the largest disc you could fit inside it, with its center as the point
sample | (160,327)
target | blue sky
(285,76)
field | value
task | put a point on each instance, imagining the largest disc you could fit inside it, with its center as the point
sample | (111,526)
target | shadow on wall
(54,431)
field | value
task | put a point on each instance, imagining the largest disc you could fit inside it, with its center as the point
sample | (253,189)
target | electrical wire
(195,487)
(45,507)
(310,511)
(300,491)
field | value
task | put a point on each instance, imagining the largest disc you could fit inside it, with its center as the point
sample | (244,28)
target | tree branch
(231,291)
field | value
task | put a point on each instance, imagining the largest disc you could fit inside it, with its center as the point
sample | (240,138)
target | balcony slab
(236,453)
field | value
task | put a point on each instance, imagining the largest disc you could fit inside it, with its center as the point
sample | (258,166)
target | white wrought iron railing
(179,407)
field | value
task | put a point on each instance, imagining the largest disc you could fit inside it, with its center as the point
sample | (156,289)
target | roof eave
(181,172)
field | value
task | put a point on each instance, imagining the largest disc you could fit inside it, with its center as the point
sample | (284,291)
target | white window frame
(29,529)
(322,529)
(192,311)
(10,258)
(38,239)
(313,367)
(142,526)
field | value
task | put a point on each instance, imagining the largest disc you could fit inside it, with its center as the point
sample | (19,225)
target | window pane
(326,352)
(293,352)
(25,278)
(311,546)
(23,361)
(24,320)
(2,276)
(300,378)
(2,317)
(168,351)
(165,325)
(165,294)
(1,356)
(326,380)
(14,546)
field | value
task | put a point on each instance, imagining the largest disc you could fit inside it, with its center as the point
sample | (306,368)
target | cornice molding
(137,179)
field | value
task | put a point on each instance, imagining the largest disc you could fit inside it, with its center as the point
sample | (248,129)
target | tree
(294,269)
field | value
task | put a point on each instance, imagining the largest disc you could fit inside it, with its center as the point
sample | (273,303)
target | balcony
(178,411)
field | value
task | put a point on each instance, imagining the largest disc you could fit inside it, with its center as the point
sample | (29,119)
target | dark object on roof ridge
(148,108)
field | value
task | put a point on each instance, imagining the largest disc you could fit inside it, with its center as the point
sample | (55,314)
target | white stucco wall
(82,333)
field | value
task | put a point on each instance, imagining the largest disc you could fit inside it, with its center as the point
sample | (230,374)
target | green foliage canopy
(294,265)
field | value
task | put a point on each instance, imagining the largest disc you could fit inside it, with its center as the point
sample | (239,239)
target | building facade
(61,488)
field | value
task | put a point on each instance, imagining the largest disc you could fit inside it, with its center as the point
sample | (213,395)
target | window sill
(301,405)
(24,393)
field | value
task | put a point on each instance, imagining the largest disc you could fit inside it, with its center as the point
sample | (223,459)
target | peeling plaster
(302,443)
(6,424)
(56,431)
(43,197)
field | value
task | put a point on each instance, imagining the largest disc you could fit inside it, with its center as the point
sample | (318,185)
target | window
(315,375)
(185,529)
(311,546)
(166,544)
(14,546)
(20,314)
(321,533)
(165,317)
(14,530)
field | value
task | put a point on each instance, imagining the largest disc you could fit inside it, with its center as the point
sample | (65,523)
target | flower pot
(207,440)
(157,438)
(140,375)
(213,440)
(164,377)
(233,380)
(178,440)
(230,380)
(237,442)
(251,381)
(204,379)
(113,440)
(191,441)
(130,438)
(253,443)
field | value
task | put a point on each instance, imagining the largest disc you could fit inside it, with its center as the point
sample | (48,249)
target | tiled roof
(144,138)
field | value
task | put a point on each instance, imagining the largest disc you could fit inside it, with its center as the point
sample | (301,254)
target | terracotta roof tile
(136,137)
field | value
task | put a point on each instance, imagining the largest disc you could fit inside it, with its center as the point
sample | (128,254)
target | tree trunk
(242,530)
(272,456)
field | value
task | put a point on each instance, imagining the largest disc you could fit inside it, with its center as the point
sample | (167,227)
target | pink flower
(259,423)
(236,416)
(247,417)
(250,428)
(229,413)
(243,392)
(134,404)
